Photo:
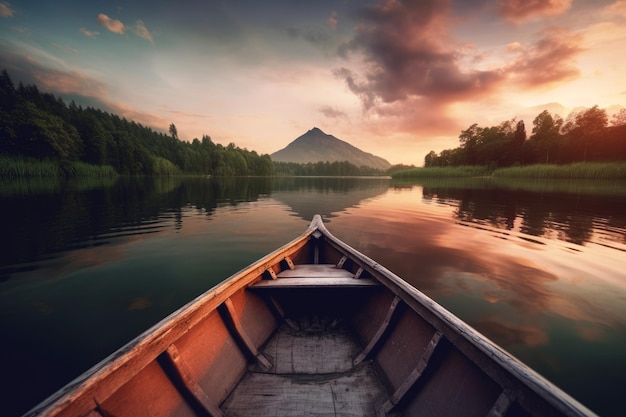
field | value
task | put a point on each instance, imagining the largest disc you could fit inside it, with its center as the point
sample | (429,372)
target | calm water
(537,267)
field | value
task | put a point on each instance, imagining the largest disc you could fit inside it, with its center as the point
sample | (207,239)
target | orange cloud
(112,25)
(6,10)
(547,62)
(72,82)
(412,72)
(517,11)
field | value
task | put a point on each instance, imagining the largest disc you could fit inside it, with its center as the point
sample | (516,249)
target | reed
(443,172)
(82,169)
(589,170)
(13,168)
(16,168)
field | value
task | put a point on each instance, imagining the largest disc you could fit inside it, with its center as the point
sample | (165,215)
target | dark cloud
(517,11)
(407,49)
(414,70)
(71,85)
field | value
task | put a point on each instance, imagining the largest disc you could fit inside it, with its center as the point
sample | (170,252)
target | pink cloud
(547,62)
(412,71)
(6,10)
(517,11)
(112,25)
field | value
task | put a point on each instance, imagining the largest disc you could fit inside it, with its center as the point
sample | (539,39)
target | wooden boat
(314,328)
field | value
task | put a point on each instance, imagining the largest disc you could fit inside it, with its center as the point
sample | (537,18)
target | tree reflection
(570,215)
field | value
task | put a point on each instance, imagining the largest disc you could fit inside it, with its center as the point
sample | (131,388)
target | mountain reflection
(326,196)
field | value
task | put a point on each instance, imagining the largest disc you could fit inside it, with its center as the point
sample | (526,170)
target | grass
(22,168)
(589,170)
(14,168)
(443,172)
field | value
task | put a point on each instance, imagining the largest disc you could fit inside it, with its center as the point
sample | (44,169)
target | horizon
(393,78)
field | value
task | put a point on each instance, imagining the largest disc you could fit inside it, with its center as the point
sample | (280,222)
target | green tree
(545,136)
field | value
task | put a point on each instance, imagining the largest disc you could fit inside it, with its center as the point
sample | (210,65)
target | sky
(394,78)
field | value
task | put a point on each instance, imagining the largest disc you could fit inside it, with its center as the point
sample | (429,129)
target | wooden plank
(315,283)
(315,271)
(501,405)
(355,393)
(320,348)
(228,309)
(186,382)
(375,341)
(415,374)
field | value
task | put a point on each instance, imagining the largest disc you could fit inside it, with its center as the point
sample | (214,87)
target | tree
(589,124)
(545,136)
(619,118)
(430,160)
(173,131)
(519,137)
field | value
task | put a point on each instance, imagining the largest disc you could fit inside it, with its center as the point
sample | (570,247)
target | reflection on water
(536,267)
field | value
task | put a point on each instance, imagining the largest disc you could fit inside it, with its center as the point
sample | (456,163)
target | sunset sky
(394,78)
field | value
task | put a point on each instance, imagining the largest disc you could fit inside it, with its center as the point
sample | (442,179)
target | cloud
(548,61)
(332,21)
(6,10)
(407,52)
(517,11)
(72,85)
(142,31)
(332,112)
(89,33)
(112,25)
(410,74)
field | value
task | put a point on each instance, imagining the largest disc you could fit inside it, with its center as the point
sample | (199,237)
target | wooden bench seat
(315,276)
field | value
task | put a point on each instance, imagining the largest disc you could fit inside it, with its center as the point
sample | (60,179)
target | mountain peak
(315,146)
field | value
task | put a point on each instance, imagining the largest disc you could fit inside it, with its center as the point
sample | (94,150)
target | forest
(584,136)
(324,169)
(39,126)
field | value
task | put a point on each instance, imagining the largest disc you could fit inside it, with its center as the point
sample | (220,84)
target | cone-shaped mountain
(315,146)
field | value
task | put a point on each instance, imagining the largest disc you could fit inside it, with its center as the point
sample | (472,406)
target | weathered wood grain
(315,271)
(317,282)
(354,393)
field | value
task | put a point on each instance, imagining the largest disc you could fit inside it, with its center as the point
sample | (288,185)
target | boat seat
(315,276)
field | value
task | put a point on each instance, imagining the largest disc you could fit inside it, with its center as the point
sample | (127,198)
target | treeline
(583,137)
(37,125)
(324,169)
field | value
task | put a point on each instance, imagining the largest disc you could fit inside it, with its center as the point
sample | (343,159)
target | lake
(538,267)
